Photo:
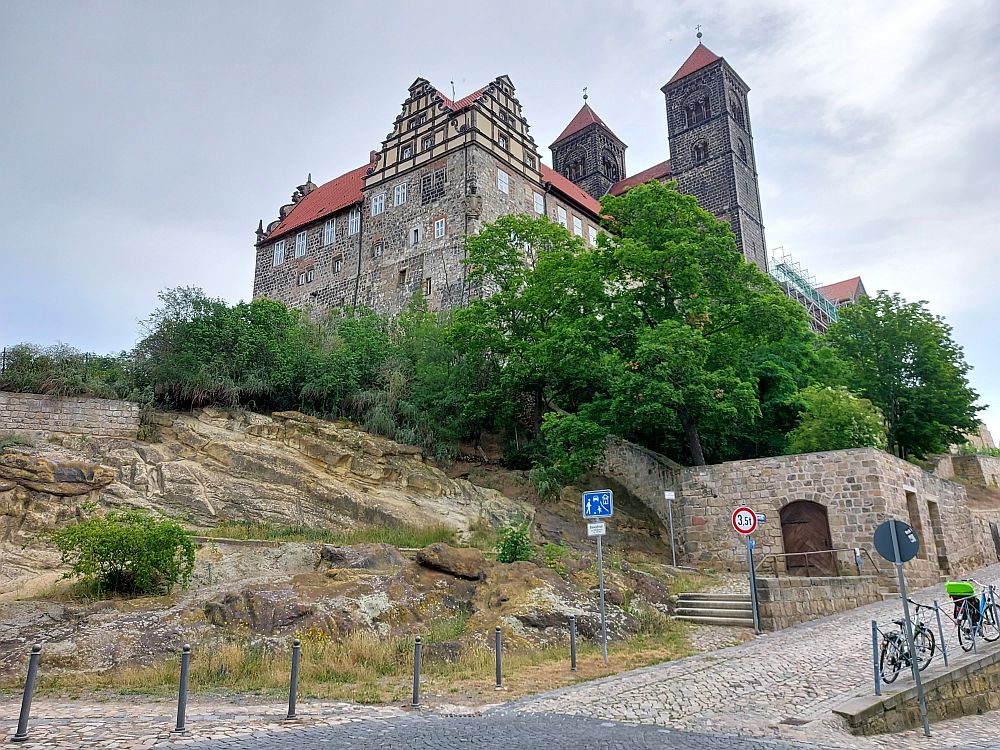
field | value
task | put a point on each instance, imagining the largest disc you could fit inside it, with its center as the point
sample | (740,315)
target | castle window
(399,194)
(329,231)
(529,160)
(700,152)
(737,110)
(377,249)
(378,204)
(610,164)
(561,215)
(302,279)
(427,143)
(697,111)
(539,204)
(354,221)
(743,151)
(279,253)
(503,181)
(502,140)
(310,275)
(593,236)
(406,151)
(427,286)
(338,265)
(439,228)
(577,226)
(422,119)
(402,278)
(412,123)
(300,244)
(414,236)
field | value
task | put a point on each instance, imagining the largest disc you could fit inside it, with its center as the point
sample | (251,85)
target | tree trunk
(694,442)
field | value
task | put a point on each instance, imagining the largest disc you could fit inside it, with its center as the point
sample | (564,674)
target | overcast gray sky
(140,143)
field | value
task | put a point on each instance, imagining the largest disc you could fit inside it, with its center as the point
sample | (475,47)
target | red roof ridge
(586,116)
(841,290)
(326,199)
(698,59)
(463,102)
(654,172)
(573,192)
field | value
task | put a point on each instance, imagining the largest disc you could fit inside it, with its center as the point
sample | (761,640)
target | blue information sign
(598,504)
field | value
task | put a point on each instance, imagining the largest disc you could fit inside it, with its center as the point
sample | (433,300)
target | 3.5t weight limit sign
(744,520)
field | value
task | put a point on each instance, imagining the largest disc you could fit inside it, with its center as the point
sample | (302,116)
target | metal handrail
(857,552)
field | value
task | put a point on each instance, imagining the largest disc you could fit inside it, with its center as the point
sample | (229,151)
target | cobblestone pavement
(781,685)
(776,691)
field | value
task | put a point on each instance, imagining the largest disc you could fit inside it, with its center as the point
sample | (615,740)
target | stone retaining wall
(787,601)
(967,689)
(36,416)
(979,469)
(646,475)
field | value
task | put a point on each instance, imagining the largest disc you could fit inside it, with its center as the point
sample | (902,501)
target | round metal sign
(906,537)
(744,520)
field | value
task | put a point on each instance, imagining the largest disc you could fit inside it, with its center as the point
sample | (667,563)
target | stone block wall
(646,475)
(787,601)
(979,469)
(38,416)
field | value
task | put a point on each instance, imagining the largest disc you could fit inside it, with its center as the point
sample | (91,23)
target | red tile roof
(657,172)
(697,60)
(328,198)
(843,291)
(571,191)
(586,116)
(461,103)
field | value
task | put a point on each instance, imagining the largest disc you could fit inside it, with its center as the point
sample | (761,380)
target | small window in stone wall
(427,286)
(377,249)
(302,279)
(414,236)
(577,226)
(742,149)
(279,253)
(406,151)
(402,278)
(503,181)
(300,244)
(593,236)
(329,231)
(310,275)
(378,204)
(439,228)
(427,143)
(561,215)
(399,194)
(697,112)
(529,160)
(503,142)
(700,152)
(539,204)
(338,265)
(354,221)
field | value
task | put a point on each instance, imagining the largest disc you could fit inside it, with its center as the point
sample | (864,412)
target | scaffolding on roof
(801,286)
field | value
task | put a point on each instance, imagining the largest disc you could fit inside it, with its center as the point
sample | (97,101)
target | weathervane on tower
(698,29)
(585,93)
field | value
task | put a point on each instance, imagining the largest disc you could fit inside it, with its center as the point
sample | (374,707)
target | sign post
(669,497)
(599,504)
(898,543)
(745,523)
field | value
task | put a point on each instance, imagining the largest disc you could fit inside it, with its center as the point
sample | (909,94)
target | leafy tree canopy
(833,419)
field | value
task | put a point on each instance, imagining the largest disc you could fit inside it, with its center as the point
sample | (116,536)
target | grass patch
(369,668)
(483,536)
(397,536)
(12,441)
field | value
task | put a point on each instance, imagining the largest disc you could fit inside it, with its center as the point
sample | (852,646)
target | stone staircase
(715,609)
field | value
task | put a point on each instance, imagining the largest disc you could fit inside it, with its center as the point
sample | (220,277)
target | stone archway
(806,528)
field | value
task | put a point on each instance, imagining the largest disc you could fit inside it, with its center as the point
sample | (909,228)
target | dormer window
(503,142)
(406,151)
(427,143)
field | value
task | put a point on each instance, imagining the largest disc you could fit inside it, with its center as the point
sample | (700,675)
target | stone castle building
(395,226)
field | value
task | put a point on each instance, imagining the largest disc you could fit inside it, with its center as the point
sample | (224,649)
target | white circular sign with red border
(744,520)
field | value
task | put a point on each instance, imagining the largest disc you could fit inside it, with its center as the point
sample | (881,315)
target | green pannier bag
(959,588)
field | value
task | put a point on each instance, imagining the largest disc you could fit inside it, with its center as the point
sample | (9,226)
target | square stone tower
(711,146)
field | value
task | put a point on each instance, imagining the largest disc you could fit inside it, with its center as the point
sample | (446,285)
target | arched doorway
(805,528)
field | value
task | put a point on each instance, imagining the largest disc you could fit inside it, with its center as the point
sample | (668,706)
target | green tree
(833,418)
(574,445)
(128,552)
(903,359)
(696,327)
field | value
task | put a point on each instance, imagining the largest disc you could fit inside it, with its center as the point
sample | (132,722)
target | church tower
(589,154)
(711,146)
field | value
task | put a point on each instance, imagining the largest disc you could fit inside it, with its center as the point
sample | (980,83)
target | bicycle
(974,616)
(895,652)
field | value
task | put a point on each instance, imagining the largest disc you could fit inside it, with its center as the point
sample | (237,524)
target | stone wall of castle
(36,416)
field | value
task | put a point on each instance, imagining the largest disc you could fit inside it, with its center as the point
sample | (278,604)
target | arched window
(737,109)
(697,111)
(610,165)
(700,152)
(743,151)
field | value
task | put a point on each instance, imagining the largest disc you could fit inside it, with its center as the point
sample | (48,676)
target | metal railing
(834,566)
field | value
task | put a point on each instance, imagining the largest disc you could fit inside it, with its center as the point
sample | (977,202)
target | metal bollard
(29,689)
(944,646)
(293,687)
(182,697)
(572,644)
(416,673)
(877,672)
(499,651)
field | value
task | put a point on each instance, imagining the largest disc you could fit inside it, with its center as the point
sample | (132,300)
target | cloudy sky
(140,143)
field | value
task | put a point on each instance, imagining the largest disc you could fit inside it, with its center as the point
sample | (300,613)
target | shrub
(128,552)
(834,419)
(515,543)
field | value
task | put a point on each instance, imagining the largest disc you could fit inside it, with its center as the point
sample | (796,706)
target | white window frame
(578,226)
(427,142)
(300,244)
(414,236)
(330,232)
(561,215)
(503,141)
(338,265)
(354,221)
(439,228)
(301,279)
(503,181)
(593,236)
(310,275)
(399,194)
(539,204)
(378,204)
(378,249)
(279,253)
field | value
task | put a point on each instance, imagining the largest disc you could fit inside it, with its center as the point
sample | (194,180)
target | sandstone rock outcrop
(461,562)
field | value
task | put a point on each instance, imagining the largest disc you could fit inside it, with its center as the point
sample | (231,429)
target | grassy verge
(368,668)
(397,536)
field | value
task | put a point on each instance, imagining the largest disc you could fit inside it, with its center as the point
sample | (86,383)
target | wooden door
(805,528)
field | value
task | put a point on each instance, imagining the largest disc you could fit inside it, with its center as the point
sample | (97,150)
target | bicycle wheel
(989,624)
(966,634)
(891,660)
(923,644)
